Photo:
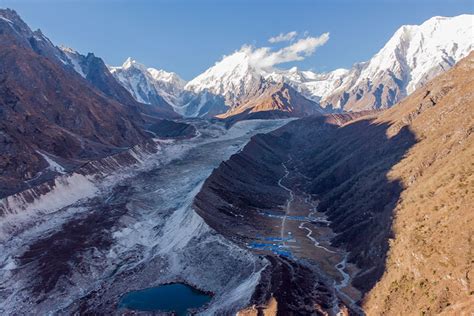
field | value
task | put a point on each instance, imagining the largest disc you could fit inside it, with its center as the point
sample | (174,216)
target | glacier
(129,227)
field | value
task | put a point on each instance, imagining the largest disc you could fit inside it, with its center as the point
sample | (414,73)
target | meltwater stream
(138,231)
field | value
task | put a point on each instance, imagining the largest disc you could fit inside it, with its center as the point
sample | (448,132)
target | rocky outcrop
(277,98)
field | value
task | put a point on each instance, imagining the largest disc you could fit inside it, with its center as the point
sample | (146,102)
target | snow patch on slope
(66,190)
(53,165)
(74,58)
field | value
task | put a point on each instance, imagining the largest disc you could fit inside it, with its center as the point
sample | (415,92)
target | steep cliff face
(393,187)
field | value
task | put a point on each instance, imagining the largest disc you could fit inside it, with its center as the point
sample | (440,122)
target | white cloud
(265,57)
(283,37)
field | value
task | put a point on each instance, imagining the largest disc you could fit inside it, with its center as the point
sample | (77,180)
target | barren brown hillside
(278,98)
(429,266)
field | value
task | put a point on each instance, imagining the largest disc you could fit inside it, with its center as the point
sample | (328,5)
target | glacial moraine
(137,230)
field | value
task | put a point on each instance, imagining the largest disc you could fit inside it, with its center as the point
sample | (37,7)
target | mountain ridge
(413,55)
(279,97)
(52,118)
(149,85)
(94,70)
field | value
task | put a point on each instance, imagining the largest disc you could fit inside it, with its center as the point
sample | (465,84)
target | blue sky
(189,36)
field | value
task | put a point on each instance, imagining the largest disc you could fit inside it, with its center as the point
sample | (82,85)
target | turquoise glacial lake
(178,298)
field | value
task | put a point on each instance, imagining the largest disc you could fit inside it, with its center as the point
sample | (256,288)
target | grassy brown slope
(429,265)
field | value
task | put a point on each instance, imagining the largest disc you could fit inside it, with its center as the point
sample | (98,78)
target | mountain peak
(128,63)
(167,77)
(67,49)
(232,77)
(149,85)
(293,69)
(15,23)
(9,14)
(237,63)
(412,56)
(131,63)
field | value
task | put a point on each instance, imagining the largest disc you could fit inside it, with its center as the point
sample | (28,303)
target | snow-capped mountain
(233,77)
(224,86)
(168,84)
(311,84)
(149,85)
(414,55)
(94,70)
(244,87)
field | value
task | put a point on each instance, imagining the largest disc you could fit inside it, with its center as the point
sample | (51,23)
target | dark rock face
(97,73)
(172,129)
(298,288)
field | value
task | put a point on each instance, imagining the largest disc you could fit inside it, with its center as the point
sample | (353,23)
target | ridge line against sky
(187,37)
